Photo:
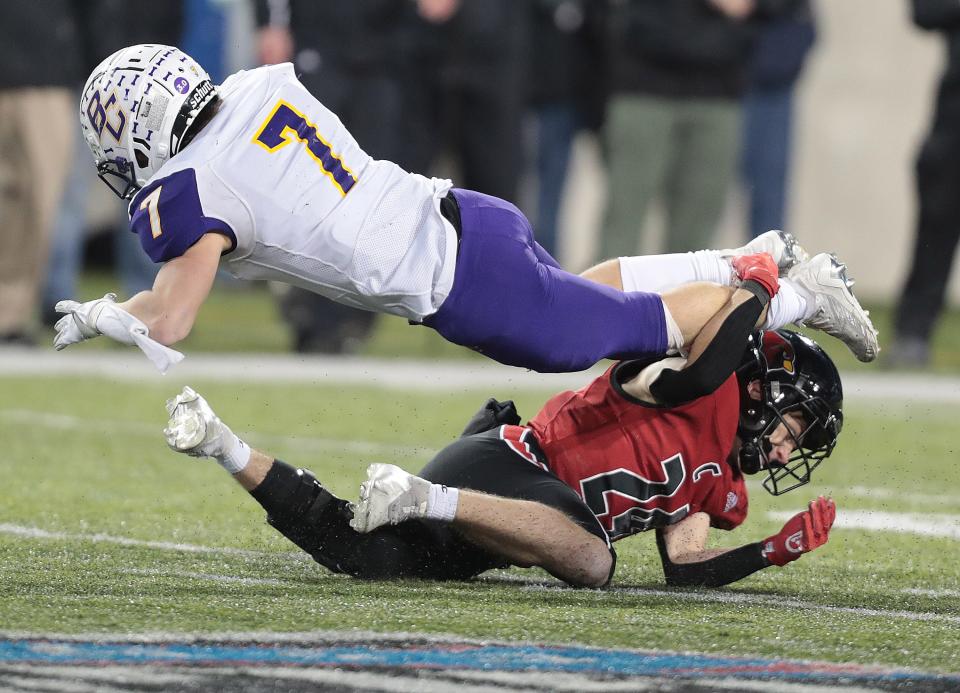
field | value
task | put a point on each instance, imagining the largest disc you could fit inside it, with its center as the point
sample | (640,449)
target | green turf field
(102,529)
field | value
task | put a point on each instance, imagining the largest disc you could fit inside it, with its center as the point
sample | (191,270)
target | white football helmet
(136,108)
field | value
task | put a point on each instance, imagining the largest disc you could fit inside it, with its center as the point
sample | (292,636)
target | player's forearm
(715,353)
(711,567)
(168,321)
(170,308)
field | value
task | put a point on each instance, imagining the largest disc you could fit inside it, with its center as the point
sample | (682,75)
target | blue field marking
(452,655)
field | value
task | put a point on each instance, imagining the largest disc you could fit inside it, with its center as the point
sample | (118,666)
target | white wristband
(118,324)
(442,503)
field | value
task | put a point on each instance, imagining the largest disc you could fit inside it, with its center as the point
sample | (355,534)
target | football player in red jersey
(648,445)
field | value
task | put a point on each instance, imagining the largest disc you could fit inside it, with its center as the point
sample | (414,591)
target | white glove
(80,321)
(87,320)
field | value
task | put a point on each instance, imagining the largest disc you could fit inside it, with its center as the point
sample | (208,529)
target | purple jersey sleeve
(171,221)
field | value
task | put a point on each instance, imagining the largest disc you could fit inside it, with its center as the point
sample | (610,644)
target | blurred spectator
(782,47)
(130,23)
(40,55)
(673,125)
(349,55)
(567,94)
(468,88)
(205,35)
(938,190)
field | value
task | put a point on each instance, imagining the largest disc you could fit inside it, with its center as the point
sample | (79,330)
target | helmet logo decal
(99,116)
(788,365)
(794,543)
(181,85)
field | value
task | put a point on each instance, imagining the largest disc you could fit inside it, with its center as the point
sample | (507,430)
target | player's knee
(607,273)
(594,565)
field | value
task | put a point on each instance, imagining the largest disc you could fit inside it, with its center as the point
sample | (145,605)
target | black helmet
(795,375)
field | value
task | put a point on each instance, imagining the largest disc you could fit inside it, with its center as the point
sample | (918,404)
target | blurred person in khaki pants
(679,73)
(39,52)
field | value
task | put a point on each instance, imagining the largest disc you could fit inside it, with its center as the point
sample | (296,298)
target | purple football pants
(511,301)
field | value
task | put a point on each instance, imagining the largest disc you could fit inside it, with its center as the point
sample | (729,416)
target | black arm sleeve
(719,359)
(715,572)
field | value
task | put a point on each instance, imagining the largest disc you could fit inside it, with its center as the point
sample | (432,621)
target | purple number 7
(273,135)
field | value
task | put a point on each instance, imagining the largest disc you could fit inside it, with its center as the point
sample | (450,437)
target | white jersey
(280,175)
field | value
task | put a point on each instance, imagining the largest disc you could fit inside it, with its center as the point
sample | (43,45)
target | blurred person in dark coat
(782,48)
(467,91)
(40,57)
(351,55)
(938,193)
(673,124)
(567,94)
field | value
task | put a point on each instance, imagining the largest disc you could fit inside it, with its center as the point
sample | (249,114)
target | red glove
(759,267)
(803,532)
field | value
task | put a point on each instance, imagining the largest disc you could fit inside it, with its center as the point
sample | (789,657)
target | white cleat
(839,313)
(389,496)
(193,428)
(780,245)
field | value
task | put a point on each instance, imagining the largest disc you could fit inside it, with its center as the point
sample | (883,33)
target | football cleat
(193,428)
(389,496)
(838,313)
(780,245)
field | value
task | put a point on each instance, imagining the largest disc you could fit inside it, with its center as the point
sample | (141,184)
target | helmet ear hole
(142,160)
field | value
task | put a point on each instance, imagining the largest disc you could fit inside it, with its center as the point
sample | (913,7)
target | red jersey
(639,466)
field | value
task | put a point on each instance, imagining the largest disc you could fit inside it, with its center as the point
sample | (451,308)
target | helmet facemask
(794,379)
(119,176)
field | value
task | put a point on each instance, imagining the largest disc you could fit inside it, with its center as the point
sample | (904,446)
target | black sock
(307,514)
(279,487)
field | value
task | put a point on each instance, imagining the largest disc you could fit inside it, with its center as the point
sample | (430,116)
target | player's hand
(80,320)
(759,267)
(803,532)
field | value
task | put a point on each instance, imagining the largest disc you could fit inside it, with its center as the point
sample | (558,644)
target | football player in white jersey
(258,177)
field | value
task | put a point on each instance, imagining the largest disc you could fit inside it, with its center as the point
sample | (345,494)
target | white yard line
(936,594)
(405,374)
(715,597)
(212,577)
(100,538)
(938,525)
(66,422)
(910,497)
